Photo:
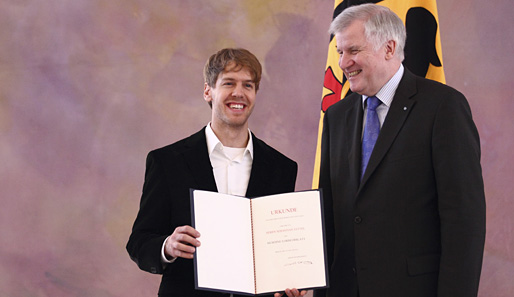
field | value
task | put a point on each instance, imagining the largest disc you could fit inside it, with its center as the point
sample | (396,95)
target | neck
(388,74)
(231,136)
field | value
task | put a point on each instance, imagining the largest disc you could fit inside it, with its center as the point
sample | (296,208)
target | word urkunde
(283,211)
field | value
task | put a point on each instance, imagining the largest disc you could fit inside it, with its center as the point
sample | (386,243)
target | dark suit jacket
(415,225)
(165,204)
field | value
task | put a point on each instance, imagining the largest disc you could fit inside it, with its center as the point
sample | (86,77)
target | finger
(184,239)
(289,293)
(186,234)
(180,254)
(294,292)
(184,249)
(180,250)
(188,230)
(278,295)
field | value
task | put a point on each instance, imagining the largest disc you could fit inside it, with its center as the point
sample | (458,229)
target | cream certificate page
(290,253)
(260,245)
(225,259)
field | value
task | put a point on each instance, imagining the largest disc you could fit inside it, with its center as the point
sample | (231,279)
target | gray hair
(380,25)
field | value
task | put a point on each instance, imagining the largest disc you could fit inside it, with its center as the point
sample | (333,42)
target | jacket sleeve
(150,228)
(461,199)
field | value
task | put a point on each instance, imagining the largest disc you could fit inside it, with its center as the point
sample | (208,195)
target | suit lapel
(261,168)
(398,112)
(354,118)
(197,159)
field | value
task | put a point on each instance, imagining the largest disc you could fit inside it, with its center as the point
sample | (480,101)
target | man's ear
(390,49)
(207,93)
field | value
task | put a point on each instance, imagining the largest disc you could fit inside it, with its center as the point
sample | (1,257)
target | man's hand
(182,243)
(291,293)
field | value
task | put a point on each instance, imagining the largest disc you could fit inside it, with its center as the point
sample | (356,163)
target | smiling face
(232,98)
(365,68)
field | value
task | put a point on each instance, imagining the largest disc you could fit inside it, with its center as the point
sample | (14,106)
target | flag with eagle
(423,54)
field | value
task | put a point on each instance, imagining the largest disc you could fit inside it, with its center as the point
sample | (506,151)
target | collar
(386,93)
(213,143)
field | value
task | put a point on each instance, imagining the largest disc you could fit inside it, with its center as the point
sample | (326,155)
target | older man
(400,172)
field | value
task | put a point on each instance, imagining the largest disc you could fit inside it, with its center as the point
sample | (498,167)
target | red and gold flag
(423,55)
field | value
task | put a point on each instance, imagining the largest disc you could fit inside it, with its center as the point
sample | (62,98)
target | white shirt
(385,95)
(231,168)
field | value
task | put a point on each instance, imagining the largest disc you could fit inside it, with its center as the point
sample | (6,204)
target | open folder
(260,245)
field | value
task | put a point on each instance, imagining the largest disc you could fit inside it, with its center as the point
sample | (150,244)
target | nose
(344,61)
(238,91)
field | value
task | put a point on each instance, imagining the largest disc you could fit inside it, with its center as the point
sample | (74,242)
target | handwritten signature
(298,263)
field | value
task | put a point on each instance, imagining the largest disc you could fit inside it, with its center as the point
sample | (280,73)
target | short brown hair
(239,57)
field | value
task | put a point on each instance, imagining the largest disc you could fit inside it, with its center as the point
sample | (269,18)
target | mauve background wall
(87,88)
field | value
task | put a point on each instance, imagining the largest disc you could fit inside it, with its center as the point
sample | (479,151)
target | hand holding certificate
(182,243)
(260,245)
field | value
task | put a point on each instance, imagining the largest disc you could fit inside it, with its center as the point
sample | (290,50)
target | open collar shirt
(231,166)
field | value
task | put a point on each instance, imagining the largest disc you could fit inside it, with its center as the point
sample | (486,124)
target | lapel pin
(405,108)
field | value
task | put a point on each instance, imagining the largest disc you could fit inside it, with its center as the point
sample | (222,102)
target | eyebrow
(349,48)
(233,79)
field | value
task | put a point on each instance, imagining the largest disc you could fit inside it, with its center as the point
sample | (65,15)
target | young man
(224,156)
(400,172)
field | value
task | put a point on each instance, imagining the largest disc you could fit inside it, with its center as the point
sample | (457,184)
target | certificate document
(260,245)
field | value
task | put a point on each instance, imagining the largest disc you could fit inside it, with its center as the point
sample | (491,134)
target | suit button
(357,220)
(354,270)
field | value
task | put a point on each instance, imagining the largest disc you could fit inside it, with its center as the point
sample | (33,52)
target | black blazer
(165,204)
(415,225)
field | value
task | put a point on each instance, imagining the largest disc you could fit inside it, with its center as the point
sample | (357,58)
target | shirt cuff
(164,259)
